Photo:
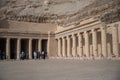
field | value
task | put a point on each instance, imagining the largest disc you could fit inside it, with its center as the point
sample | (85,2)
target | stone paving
(60,69)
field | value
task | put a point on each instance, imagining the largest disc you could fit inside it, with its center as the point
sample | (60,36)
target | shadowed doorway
(44,45)
(13,48)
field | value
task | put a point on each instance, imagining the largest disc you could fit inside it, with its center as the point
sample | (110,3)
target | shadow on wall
(4,24)
(98,37)
(109,42)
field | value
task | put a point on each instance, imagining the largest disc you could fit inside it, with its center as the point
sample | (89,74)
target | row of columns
(19,47)
(68,51)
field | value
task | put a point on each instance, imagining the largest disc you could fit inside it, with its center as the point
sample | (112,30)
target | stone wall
(27,27)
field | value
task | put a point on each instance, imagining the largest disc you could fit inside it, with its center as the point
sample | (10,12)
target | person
(22,55)
(35,55)
(3,55)
(44,54)
(27,55)
(38,54)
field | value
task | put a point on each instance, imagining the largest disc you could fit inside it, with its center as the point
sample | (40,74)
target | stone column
(59,47)
(74,48)
(18,48)
(63,47)
(8,48)
(104,41)
(30,48)
(80,53)
(68,47)
(39,45)
(94,42)
(115,40)
(87,46)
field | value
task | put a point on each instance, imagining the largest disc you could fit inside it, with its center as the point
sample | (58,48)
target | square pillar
(63,47)
(59,47)
(18,48)
(87,46)
(30,48)
(80,53)
(39,45)
(8,48)
(94,42)
(104,41)
(115,40)
(74,48)
(68,46)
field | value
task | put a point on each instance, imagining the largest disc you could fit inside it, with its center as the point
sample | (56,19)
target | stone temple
(64,28)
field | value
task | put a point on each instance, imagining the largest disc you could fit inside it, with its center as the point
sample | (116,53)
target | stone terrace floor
(60,69)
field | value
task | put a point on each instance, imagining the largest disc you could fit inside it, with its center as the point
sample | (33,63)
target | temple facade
(91,39)
(16,37)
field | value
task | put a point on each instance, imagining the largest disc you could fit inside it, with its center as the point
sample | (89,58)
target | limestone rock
(61,12)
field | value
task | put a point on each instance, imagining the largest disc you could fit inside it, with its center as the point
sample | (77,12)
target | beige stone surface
(60,69)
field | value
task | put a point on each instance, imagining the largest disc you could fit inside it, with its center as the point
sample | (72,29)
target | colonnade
(78,44)
(18,50)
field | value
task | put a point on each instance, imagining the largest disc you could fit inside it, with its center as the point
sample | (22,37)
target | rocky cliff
(60,12)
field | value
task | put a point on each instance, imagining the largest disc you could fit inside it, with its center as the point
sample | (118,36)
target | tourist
(38,54)
(3,55)
(22,55)
(35,54)
(27,55)
(44,54)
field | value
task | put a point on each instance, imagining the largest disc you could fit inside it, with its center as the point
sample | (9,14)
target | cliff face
(61,12)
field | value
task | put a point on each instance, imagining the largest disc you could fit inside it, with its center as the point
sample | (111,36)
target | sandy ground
(60,69)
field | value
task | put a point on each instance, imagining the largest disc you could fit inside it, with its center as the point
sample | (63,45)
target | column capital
(30,39)
(73,35)
(39,38)
(19,38)
(68,36)
(8,38)
(93,30)
(79,34)
(63,37)
(85,31)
